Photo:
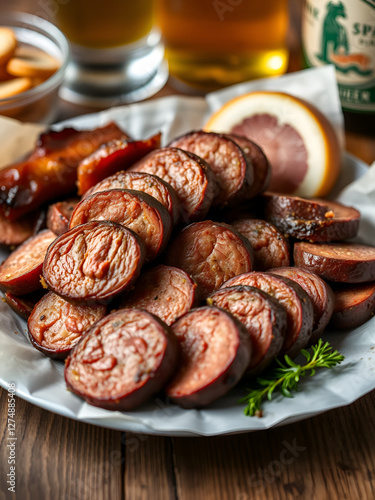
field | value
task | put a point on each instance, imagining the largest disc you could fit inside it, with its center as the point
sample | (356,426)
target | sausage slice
(228,161)
(211,253)
(134,210)
(215,352)
(147,183)
(320,293)
(354,305)
(20,272)
(167,292)
(55,326)
(122,360)
(297,304)
(58,215)
(313,220)
(262,315)
(190,176)
(23,304)
(343,262)
(271,248)
(93,262)
(261,165)
(14,233)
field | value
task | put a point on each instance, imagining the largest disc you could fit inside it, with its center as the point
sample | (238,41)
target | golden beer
(101,24)
(214,43)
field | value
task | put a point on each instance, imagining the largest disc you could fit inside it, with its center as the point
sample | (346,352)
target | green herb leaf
(286,375)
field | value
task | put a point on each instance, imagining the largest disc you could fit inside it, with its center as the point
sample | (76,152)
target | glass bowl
(37,104)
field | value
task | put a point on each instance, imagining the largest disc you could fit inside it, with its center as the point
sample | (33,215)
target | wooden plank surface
(329,456)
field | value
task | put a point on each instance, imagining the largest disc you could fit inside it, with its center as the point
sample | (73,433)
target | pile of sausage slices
(172,268)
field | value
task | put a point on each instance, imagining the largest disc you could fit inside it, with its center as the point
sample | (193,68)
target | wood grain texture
(58,458)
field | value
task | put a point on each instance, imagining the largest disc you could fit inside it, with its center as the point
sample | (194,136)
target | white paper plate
(39,380)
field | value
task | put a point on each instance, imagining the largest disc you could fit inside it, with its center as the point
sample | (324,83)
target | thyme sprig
(286,376)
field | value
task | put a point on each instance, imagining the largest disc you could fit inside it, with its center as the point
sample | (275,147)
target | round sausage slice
(343,262)
(320,293)
(134,210)
(147,183)
(354,305)
(271,248)
(228,161)
(55,326)
(215,352)
(167,292)
(122,360)
(14,233)
(93,262)
(262,315)
(23,304)
(58,215)
(261,165)
(190,176)
(211,253)
(297,304)
(312,220)
(21,270)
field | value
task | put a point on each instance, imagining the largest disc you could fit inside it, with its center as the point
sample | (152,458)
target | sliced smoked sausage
(215,352)
(21,270)
(147,183)
(297,304)
(312,220)
(133,209)
(354,305)
(55,326)
(93,262)
(230,164)
(261,165)
(58,215)
(320,293)
(263,316)
(211,253)
(343,262)
(190,176)
(167,292)
(271,249)
(122,360)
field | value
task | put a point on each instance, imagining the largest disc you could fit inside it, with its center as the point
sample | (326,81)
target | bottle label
(342,33)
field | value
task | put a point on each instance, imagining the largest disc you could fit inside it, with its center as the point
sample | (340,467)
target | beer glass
(117,53)
(214,43)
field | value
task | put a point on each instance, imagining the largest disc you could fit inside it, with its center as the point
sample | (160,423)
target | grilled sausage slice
(167,292)
(55,326)
(320,293)
(211,253)
(122,360)
(228,161)
(261,165)
(297,304)
(14,233)
(20,272)
(23,304)
(93,262)
(190,176)
(271,248)
(215,352)
(147,183)
(110,158)
(262,315)
(134,210)
(312,220)
(354,305)
(58,215)
(343,262)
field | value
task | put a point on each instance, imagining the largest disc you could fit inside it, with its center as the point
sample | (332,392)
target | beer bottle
(342,33)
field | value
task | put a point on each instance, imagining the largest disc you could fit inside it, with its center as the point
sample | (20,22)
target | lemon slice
(13,87)
(31,62)
(299,141)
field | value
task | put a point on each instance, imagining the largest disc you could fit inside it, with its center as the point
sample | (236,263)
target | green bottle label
(342,33)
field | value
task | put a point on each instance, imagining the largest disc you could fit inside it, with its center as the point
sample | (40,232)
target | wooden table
(326,457)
